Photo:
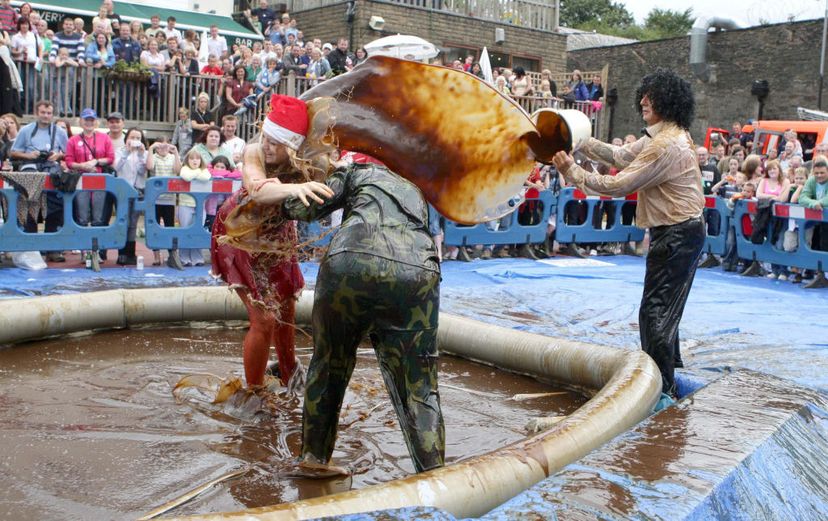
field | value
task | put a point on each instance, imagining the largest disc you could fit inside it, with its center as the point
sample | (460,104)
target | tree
(578,13)
(666,23)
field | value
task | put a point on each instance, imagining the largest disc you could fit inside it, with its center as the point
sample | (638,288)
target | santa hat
(287,121)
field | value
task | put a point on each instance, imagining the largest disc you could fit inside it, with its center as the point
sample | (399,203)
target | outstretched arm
(272,191)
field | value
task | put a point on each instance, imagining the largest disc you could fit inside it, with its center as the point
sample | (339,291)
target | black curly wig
(670,96)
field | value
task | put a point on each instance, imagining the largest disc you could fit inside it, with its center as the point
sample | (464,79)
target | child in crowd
(163,161)
(790,240)
(64,77)
(193,170)
(219,169)
(182,137)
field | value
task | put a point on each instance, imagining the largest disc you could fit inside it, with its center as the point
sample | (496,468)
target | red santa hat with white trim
(287,121)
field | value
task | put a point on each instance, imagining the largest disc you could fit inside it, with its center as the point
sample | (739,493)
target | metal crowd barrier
(585,232)
(803,257)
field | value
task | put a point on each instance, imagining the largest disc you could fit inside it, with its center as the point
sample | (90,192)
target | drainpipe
(698,43)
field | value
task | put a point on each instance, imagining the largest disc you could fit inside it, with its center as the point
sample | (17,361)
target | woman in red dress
(258,257)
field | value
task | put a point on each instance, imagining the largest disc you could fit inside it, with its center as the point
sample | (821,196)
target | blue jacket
(129,50)
(93,56)
(581,91)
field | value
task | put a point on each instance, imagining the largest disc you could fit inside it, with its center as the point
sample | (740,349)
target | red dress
(270,279)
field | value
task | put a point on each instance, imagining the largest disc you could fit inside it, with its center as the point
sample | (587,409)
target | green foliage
(607,17)
(575,13)
(122,67)
(668,23)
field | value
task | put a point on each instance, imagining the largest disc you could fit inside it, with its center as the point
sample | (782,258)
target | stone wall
(786,55)
(442,29)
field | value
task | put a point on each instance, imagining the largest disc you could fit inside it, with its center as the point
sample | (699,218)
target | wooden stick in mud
(177,502)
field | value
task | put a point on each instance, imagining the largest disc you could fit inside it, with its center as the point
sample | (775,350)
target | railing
(156,102)
(156,107)
(533,14)
(532,103)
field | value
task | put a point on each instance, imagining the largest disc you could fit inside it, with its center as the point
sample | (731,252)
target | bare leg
(256,341)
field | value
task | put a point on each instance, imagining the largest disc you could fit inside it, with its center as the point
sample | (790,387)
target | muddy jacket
(385,216)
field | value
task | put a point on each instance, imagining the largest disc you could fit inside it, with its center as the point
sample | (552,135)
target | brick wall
(787,55)
(441,29)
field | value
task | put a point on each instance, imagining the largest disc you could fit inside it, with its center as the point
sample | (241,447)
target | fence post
(291,84)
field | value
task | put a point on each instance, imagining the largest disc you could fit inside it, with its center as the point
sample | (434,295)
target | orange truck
(768,134)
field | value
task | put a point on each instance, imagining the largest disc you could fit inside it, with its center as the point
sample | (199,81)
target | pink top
(212,203)
(81,149)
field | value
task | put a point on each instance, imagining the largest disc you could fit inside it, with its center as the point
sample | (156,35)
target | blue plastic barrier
(325,234)
(586,232)
(804,257)
(515,233)
(195,236)
(716,244)
(71,236)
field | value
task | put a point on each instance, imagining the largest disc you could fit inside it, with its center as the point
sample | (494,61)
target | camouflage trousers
(397,305)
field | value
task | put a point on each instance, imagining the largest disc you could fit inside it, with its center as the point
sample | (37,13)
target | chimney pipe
(698,43)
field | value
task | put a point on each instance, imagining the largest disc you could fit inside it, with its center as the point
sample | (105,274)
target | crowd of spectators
(33,53)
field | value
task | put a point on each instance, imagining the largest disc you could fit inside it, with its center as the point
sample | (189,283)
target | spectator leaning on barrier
(90,152)
(814,195)
(131,165)
(68,39)
(338,57)
(125,46)
(663,168)
(39,147)
(163,161)
(99,53)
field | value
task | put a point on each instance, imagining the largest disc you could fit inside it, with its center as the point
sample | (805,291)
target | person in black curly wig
(662,167)
(670,96)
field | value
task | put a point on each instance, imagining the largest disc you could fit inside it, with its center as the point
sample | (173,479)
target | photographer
(39,147)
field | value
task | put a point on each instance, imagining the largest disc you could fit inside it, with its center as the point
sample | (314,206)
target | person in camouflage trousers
(380,277)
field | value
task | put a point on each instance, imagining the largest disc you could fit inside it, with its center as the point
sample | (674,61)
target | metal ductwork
(698,43)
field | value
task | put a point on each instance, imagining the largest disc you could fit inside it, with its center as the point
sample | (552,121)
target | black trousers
(671,265)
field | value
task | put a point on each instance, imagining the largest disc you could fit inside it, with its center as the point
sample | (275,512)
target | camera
(44,155)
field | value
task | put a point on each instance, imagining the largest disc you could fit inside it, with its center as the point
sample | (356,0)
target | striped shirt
(8,19)
(73,42)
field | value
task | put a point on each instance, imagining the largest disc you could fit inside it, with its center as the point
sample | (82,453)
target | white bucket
(572,127)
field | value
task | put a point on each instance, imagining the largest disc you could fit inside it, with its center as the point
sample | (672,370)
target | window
(528,64)
(450,52)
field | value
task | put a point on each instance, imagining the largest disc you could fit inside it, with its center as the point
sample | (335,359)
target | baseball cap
(114,115)
(88,113)
(328,46)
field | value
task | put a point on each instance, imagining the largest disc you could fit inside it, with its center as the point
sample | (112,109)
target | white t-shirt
(27,44)
(156,61)
(217,47)
(175,33)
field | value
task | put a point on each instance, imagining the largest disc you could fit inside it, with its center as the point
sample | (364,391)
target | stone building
(515,33)
(786,55)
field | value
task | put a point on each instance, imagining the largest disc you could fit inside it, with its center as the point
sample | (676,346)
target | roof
(577,39)
(134,11)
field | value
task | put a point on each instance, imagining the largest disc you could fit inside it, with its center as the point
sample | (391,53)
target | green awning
(229,28)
